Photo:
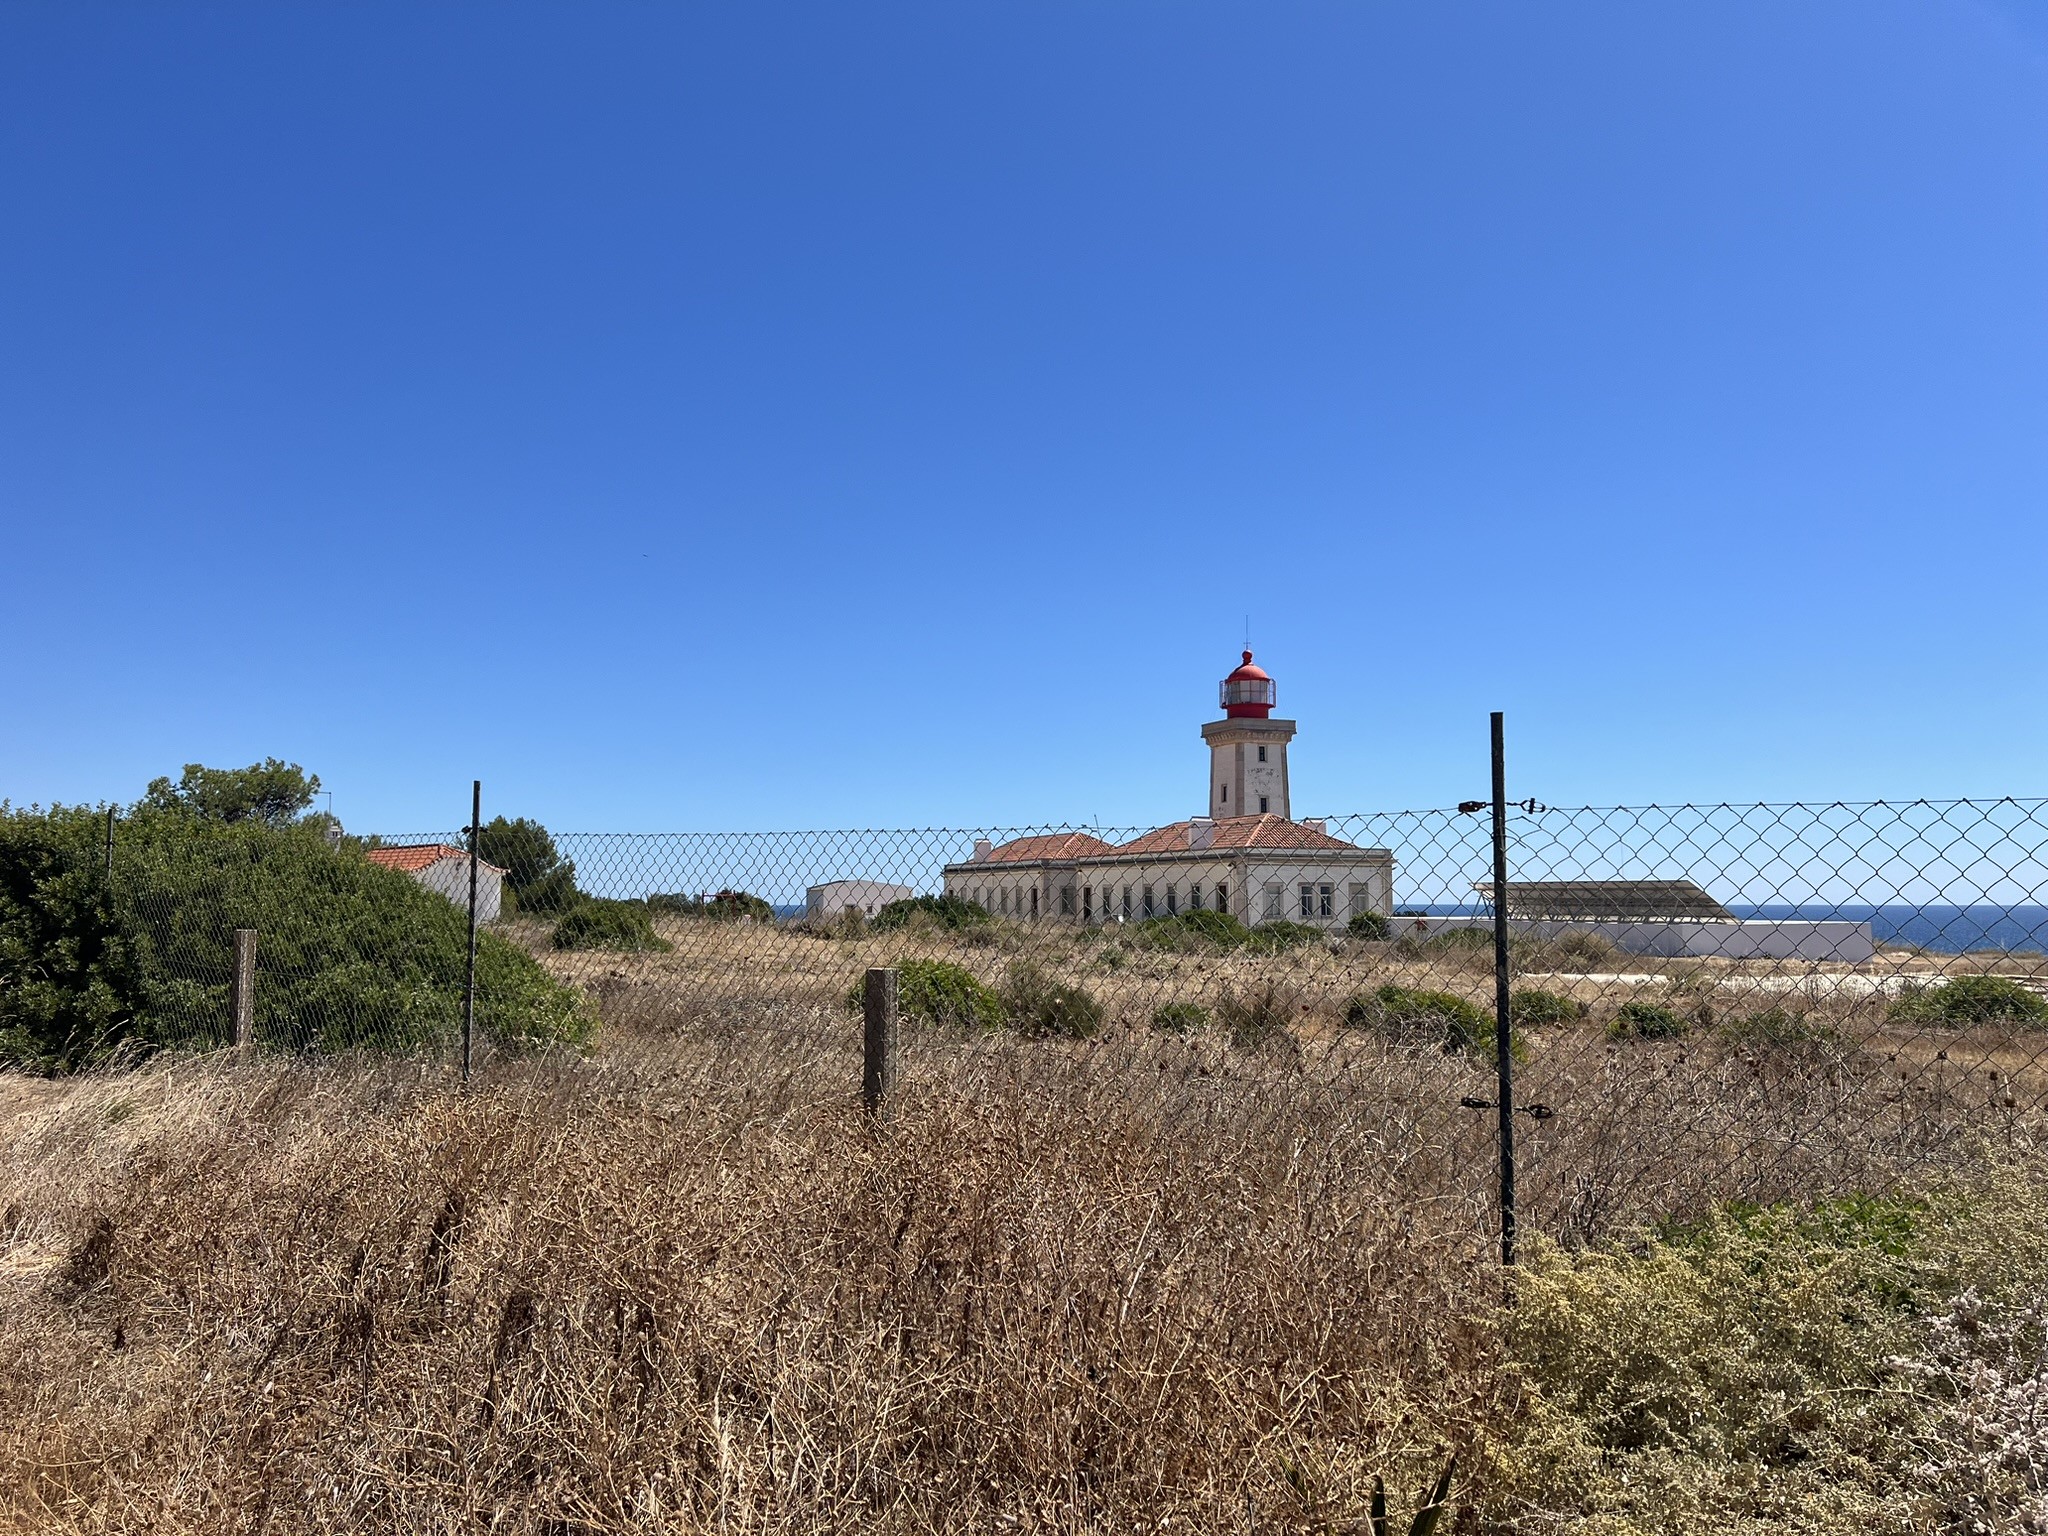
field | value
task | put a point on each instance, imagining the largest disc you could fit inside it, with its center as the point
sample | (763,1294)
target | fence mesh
(1709,1001)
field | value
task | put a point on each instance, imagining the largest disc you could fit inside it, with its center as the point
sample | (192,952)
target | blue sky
(762,416)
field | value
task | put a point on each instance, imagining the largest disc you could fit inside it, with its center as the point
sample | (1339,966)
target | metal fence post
(878,1048)
(476,817)
(242,990)
(110,843)
(1503,1039)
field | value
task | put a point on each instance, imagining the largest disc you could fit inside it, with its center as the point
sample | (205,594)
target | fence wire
(1709,1002)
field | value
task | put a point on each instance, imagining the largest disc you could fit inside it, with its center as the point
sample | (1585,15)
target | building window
(1066,901)
(1034,901)
(1226,794)
(1148,901)
(1173,901)
(1262,754)
(1195,897)
(1087,903)
(1273,908)
(1127,901)
(1317,900)
(1361,899)
(1308,901)
(1262,805)
(1222,898)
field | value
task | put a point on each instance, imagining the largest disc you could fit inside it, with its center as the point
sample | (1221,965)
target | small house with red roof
(444,869)
(1247,857)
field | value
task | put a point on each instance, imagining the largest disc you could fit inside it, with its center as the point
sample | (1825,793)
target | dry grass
(1134,1283)
(691,1289)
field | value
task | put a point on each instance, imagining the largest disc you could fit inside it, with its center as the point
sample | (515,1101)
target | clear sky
(766,416)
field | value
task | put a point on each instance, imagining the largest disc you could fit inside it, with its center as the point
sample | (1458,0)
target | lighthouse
(1248,748)
(1248,856)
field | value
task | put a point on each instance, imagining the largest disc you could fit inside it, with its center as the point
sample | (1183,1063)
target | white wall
(450,877)
(835,896)
(1750,939)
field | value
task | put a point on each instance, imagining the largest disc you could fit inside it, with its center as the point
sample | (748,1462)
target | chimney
(1201,832)
(982,849)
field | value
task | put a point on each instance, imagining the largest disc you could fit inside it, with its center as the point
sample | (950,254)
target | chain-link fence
(1706,1002)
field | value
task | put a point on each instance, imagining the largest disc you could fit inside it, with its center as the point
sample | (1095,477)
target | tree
(541,879)
(270,792)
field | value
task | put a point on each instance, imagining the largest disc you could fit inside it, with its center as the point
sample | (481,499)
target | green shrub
(724,907)
(1780,1368)
(1639,1020)
(931,911)
(1199,929)
(1534,1006)
(1279,935)
(622,925)
(938,992)
(538,879)
(348,953)
(1040,1006)
(1778,1029)
(1443,1018)
(1368,925)
(1255,1017)
(1180,1018)
(1972,1000)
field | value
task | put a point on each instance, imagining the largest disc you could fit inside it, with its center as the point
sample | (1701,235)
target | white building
(867,897)
(444,869)
(1246,857)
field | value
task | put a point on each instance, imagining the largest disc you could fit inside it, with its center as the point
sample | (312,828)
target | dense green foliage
(541,881)
(621,925)
(1198,929)
(1180,1018)
(1864,1365)
(932,911)
(939,992)
(1973,1000)
(348,953)
(1368,925)
(723,907)
(270,792)
(1039,1005)
(1533,1005)
(1441,1018)
(1641,1020)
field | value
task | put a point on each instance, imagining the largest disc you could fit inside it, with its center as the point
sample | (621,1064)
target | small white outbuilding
(444,869)
(867,897)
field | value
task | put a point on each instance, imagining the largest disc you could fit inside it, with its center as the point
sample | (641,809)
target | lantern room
(1248,693)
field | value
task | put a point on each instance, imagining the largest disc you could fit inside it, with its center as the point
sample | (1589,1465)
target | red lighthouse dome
(1248,693)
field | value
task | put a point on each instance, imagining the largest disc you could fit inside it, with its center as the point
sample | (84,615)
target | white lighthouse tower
(1248,748)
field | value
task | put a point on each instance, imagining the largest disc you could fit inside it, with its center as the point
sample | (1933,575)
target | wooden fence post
(242,989)
(878,1048)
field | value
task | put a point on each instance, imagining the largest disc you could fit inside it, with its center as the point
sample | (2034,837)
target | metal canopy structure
(1630,901)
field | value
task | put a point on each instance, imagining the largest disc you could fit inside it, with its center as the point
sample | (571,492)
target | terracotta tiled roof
(1238,833)
(415,857)
(1057,845)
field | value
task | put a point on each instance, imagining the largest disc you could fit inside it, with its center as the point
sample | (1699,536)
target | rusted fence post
(242,990)
(878,1048)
